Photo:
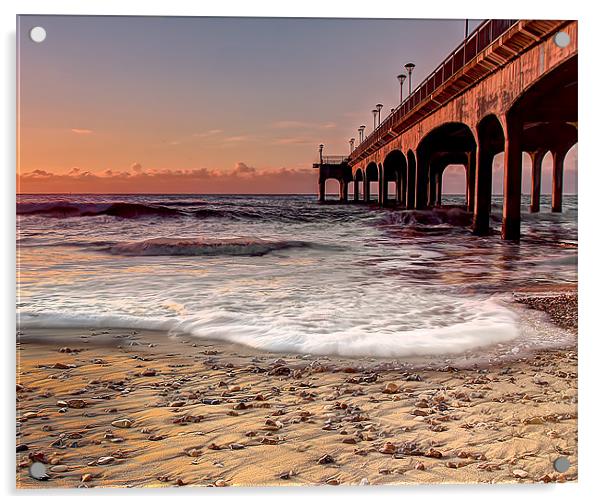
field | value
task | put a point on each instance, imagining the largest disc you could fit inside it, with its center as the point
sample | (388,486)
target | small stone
(519,473)
(59,468)
(76,403)
(388,448)
(194,452)
(391,388)
(220,483)
(122,423)
(364,481)
(419,466)
(105,460)
(87,477)
(418,412)
(326,459)
(349,440)
(22,448)
(432,453)
(237,446)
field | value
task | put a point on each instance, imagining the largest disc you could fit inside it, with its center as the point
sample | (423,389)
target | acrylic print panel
(242,263)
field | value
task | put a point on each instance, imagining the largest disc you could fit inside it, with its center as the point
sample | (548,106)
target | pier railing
(481,38)
(331,160)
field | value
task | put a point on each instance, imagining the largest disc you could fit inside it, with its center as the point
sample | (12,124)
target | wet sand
(124,408)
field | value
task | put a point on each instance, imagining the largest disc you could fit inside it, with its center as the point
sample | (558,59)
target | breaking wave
(202,247)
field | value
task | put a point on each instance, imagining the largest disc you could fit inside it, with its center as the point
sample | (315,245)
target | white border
(590,429)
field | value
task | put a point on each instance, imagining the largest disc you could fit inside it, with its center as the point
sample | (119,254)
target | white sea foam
(480,325)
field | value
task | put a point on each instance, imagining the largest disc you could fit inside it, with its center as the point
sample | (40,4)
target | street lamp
(410,68)
(321,147)
(351,144)
(361,132)
(401,78)
(379,107)
(374,116)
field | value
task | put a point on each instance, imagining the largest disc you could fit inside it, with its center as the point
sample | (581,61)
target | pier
(510,87)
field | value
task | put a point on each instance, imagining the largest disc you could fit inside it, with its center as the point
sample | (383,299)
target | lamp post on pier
(379,107)
(410,68)
(351,144)
(401,78)
(321,148)
(374,116)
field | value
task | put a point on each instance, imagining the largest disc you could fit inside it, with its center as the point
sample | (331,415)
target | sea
(286,273)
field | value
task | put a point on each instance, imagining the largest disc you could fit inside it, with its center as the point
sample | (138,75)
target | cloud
(81,131)
(242,168)
(241,179)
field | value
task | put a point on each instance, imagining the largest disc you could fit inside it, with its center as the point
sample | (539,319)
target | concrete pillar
(439,185)
(422,181)
(404,188)
(343,191)
(411,186)
(398,188)
(536,160)
(482,207)
(356,190)
(433,170)
(513,161)
(471,170)
(557,175)
(381,183)
(322,190)
(384,185)
(366,189)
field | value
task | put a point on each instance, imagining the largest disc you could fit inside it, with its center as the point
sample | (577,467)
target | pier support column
(512,181)
(471,173)
(356,190)
(398,188)
(343,191)
(404,188)
(536,160)
(322,190)
(557,176)
(482,208)
(411,183)
(381,186)
(433,171)
(422,166)
(366,189)
(439,185)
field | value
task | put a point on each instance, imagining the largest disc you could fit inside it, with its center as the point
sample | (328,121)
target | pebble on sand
(123,423)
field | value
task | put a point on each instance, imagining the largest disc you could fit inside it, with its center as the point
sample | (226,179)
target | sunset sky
(212,105)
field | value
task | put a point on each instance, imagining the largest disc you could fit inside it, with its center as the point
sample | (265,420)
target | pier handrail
(481,38)
(332,160)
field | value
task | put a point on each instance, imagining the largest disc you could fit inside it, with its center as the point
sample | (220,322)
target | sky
(211,105)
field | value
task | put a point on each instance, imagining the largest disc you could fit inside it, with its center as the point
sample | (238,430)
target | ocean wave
(65,209)
(490,324)
(202,247)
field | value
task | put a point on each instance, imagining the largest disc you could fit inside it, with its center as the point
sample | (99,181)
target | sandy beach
(135,408)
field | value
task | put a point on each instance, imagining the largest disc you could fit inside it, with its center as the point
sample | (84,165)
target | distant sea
(284,273)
